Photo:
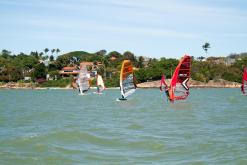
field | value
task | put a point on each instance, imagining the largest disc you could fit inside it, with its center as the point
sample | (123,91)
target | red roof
(69,68)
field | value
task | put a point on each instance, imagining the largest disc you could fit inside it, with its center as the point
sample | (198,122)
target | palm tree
(53,50)
(57,50)
(51,58)
(205,47)
(46,50)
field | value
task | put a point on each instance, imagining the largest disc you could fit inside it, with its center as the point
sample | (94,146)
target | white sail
(83,81)
(100,83)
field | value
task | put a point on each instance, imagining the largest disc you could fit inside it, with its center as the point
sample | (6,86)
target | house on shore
(68,71)
(74,70)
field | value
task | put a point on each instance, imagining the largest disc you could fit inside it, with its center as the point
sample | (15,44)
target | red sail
(163,85)
(178,88)
(244,82)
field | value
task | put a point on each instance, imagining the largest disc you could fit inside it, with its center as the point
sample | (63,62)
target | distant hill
(78,54)
(76,57)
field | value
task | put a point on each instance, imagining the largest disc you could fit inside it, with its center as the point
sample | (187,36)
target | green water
(61,127)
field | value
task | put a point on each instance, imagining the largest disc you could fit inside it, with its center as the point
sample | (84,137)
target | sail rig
(127,84)
(83,81)
(100,83)
(244,82)
(163,85)
(178,89)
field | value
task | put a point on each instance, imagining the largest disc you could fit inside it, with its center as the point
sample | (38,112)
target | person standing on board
(242,89)
(98,90)
(78,86)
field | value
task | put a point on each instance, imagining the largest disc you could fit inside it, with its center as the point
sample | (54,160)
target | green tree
(35,54)
(140,61)
(41,55)
(5,53)
(130,56)
(39,71)
(141,75)
(51,58)
(101,52)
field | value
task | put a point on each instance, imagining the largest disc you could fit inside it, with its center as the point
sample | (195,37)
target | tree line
(14,67)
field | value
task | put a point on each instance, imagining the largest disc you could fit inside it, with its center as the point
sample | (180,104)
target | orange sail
(127,84)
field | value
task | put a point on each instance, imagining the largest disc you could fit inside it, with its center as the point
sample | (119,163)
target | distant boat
(100,84)
(83,81)
(244,82)
(127,84)
(178,89)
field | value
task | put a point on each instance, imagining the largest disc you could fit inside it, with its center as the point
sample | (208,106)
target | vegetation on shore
(15,67)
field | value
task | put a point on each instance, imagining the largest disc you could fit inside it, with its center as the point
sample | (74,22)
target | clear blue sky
(154,28)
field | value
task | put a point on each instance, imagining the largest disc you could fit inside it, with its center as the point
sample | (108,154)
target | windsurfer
(98,90)
(242,89)
(167,93)
(78,86)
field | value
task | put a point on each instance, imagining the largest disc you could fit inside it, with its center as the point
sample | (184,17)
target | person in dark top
(98,91)
(167,92)
(242,88)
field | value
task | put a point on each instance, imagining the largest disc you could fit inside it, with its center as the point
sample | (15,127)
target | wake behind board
(83,94)
(97,93)
(121,99)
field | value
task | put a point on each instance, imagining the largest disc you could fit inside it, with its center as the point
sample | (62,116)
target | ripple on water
(135,127)
(60,127)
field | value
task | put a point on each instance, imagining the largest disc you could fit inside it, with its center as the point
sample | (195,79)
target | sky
(152,28)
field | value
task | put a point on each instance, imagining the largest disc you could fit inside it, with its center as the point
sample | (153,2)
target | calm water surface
(61,127)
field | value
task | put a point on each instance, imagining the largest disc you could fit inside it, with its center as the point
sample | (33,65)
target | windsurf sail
(179,89)
(244,82)
(163,85)
(83,81)
(127,84)
(100,84)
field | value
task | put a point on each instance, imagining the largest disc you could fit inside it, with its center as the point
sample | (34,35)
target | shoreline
(195,84)
(111,88)
(152,84)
